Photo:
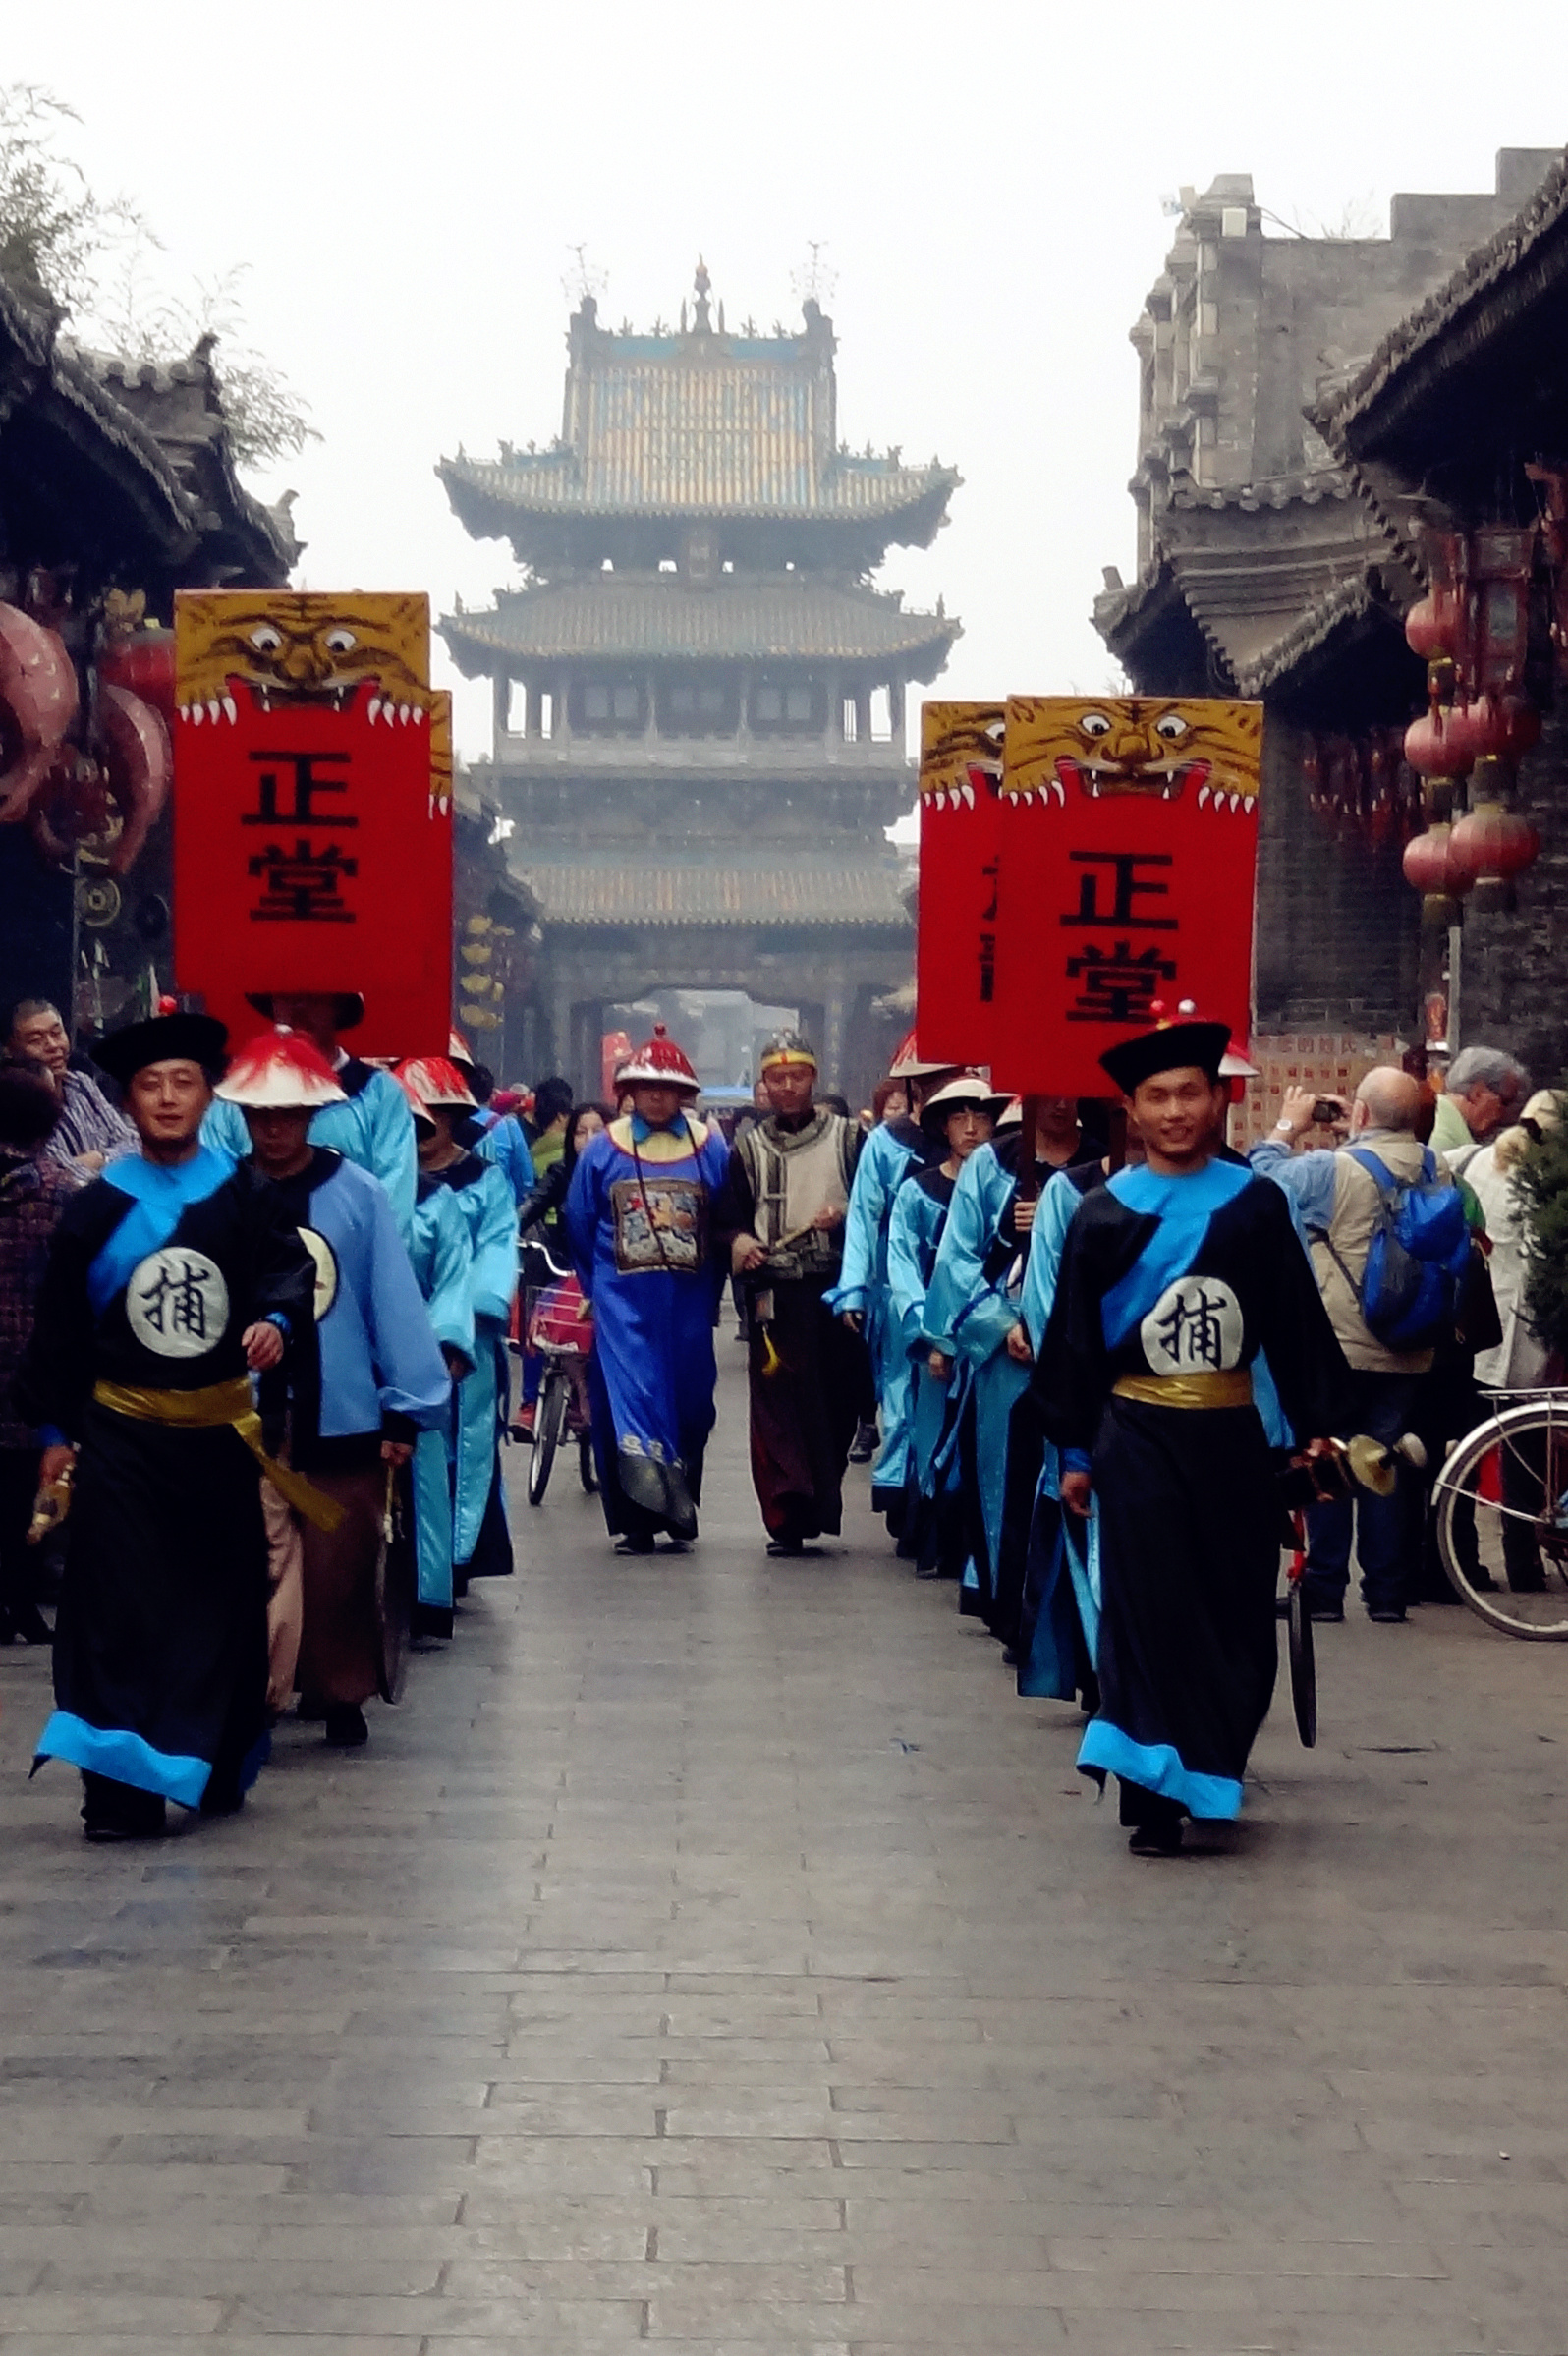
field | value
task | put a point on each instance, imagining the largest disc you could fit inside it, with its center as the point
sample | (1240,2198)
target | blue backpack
(1418,1258)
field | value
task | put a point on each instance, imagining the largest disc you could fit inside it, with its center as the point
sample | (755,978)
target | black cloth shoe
(1157,1840)
(222,1798)
(346,1728)
(311,1709)
(113,1811)
(636,1542)
(788,1541)
(23,1624)
(864,1446)
(1386,1616)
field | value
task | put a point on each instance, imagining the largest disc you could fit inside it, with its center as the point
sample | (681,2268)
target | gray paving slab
(713,1954)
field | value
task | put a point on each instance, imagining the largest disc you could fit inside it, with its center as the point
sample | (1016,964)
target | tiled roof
(700,424)
(778,891)
(1278,492)
(796,617)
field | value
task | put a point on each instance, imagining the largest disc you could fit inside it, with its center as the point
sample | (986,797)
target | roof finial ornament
(701,283)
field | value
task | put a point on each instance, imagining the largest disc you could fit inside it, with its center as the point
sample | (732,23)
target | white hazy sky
(405,184)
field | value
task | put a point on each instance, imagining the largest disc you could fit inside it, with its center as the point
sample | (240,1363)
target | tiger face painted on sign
(961,753)
(1156,746)
(298,647)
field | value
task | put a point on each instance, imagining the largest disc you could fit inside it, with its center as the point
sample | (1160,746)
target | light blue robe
(489,1218)
(886,1160)
(1044,1668)
(373,1128)
(440,1253)
(914,1235)
(976,1314)
(376,1348)
(501,1140)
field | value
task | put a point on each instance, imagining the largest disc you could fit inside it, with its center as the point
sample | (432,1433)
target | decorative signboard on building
(960,781)
(1127,848)
(313,800)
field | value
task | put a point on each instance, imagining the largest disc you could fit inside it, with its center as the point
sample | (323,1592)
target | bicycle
(1502,1502)
(556,1327)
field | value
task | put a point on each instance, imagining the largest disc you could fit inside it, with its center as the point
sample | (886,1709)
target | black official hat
(1171,1045)
(165,1038)
(348,1006)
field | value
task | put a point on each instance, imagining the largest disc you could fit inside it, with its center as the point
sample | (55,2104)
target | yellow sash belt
(1187,1391)
(203,1411)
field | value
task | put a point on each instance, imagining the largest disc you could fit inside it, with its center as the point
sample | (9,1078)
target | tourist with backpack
(1390,1246)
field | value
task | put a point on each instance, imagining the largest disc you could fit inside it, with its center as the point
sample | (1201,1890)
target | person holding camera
(1340,1194)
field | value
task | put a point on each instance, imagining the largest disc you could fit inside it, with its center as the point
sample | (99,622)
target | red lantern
(143,665)
(1428,632)
(1427,863)
(1503,727)
(1440,743)
(1491,844)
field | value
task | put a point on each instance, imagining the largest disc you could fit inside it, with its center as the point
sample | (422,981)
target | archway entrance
(721,1029)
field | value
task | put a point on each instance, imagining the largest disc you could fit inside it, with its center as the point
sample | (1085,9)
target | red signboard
(1128,844)
(312,835)
(960,775)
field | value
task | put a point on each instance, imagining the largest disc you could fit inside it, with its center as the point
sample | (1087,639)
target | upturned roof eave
(490,511)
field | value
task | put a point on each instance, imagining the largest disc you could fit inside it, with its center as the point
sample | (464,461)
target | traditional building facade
(117,486)
(699,694)
(1264,568)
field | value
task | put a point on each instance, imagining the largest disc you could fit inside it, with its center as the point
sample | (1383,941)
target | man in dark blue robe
(171,1280)
(1174,1277)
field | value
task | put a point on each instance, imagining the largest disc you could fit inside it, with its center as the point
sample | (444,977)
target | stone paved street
(712,1953)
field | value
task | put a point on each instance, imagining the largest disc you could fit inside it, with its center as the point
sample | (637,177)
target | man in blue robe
(639,1214)
(943,1518)
(975,1297)
(171,1280)
(441,1102)
(861,1297)
(442,1257)
(370,1127)
(1174,1276)
(370,1380)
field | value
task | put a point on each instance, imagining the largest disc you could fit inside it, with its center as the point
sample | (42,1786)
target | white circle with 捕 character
(177,1303)
(1194,1327)
(327,1269)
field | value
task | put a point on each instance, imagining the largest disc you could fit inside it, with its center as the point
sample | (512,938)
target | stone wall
(1336,923)
(1511,988)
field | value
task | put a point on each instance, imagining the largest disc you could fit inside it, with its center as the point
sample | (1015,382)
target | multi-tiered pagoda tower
(700,697)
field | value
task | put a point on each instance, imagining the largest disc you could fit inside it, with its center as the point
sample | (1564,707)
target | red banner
(313,837)
(1128,842)
(955,964)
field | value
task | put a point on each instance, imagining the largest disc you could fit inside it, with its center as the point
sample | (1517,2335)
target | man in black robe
(171,1280)
(780,1215)
(1174,1277)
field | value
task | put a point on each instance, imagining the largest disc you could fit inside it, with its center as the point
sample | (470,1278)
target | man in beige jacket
(1337,1203)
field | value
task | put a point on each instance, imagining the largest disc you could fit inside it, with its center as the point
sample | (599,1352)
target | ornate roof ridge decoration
(1346,602)
(161,471)
(1440,332)
(1305,488)
(806,617)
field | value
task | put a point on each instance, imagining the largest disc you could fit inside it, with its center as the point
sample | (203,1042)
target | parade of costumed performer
(440,1101)
(861,1297)
(780,1219)
(357,1392)
(494,1136)
(442,1258)
(942,1516)
(976,1308)
(369,1127)
(639,1215)
(1173,1277)
(171,1280)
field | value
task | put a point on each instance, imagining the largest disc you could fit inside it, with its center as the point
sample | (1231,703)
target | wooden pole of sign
(1117,1127)
(1028,1151)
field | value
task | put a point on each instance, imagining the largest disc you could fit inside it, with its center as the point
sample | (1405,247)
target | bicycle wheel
(584,1465)
(548,1417)
(1502,1520)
